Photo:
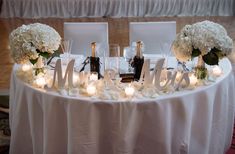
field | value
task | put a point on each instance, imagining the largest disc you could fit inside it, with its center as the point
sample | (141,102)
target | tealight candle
(193,79)
(41,82)
(216,71)
(94,76)
(129,91)
(91,90)
(26,67)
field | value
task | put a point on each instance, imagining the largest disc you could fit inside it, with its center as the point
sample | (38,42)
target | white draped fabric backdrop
(116,8)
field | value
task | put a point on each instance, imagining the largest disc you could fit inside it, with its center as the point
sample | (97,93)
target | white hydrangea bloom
(204,36)
(26,40)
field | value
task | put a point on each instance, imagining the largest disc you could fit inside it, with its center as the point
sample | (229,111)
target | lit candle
(129,91)
(217,71)
(26,67)
(93,47)
(91,90)
(40,82)
(193,79)
(94,76)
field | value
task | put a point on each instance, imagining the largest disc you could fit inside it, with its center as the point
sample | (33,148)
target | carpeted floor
(232,148)
(4,125)
(5,130)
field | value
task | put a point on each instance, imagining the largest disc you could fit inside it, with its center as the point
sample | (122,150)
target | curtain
(115,8)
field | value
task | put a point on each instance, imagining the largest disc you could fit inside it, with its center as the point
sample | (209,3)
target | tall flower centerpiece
(32,43)
(206,40)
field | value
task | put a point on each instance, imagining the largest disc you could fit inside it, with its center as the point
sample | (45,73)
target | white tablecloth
(196,122)
(115,8)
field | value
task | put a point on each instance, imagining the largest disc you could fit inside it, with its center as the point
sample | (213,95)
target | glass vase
(39,66)
(201,71)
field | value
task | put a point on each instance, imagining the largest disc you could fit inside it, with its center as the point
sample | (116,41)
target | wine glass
(134,47)
(165,51)
(191,64)
(128,54)
(112,59)
(66,46)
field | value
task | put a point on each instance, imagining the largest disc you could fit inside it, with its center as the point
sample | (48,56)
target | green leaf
(195,52)
(201,72)
(218,52)
(33,61)
(55,54)
(45,54)
(211,58)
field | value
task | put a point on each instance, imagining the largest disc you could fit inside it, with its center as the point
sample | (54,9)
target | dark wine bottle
(138,61)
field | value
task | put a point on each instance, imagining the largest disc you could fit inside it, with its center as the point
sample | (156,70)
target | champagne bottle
(94,61)
(93,48)
(138,60)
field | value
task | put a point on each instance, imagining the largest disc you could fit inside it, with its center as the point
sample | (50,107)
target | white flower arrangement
(208,39)
(28,42)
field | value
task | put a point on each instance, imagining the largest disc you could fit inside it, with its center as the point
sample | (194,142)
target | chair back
(153,34)
(84,33)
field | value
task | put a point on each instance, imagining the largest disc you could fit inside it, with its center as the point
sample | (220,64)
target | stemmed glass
(128,54)
(66,46)
(112,59)
(165,51)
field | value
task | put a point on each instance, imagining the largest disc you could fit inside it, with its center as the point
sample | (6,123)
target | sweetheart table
(198,121)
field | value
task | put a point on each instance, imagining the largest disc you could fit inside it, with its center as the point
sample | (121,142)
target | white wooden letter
(68,73)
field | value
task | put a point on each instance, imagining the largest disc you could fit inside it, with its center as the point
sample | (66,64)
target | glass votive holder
(93,76)
(75,79)
(217,71)
(83,78)
(193,79)
(91,89)
(129,91)
(40,81)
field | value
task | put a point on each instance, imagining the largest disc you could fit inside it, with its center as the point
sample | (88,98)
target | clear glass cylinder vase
(201,71)
(39,66)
